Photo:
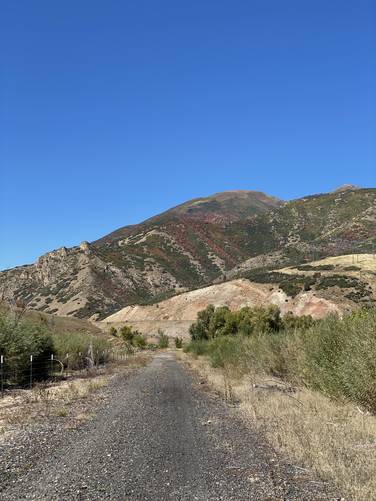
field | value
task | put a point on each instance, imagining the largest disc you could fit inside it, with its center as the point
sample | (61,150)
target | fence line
(23,371)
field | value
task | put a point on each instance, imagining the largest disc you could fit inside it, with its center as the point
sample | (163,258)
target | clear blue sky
(112,111)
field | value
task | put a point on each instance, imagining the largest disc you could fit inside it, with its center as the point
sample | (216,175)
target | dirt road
(158,436)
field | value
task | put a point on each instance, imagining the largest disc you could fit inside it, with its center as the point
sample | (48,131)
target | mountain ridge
(192,245)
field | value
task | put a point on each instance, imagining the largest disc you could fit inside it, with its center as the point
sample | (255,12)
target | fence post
(67,357)
(31,371)
(52,366)
(2,375)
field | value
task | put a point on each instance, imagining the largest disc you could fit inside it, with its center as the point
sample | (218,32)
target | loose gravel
(156,435)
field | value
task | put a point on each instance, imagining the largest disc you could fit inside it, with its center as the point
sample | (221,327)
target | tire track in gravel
(160,437)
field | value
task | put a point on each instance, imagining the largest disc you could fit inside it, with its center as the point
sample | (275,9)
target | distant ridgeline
(203,241)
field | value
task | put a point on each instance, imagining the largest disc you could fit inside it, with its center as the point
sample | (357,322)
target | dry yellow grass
(338,441)
(42,401)
(366,262)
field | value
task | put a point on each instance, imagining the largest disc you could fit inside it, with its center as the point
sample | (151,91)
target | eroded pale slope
(176,314)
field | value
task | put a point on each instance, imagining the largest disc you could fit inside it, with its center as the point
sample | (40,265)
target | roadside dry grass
(336,440)
(67,399)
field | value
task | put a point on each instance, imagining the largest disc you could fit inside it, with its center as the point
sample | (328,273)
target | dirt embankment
(176,314)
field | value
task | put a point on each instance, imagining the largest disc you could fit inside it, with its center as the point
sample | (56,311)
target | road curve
(161,437)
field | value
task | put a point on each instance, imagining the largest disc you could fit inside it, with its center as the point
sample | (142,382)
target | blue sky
(112,111)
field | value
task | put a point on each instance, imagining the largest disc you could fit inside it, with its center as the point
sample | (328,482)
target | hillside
(307,229)
(175,315)
(57,324)
(330,286)
(182,248)
(198,243)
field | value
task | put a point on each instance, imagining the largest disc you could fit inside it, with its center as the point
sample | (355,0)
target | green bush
(113,331)
(163,340)
(132,337)
(338,280)
(20,340)
(334,356)
(178,342)
(127,334)
(82,349)
(215,322)
(340,357)
(139,341)
(197,347)
(227,352)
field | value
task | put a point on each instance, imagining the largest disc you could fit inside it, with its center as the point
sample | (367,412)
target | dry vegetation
(309,386)
(68,399)
(43,401)
(337,440)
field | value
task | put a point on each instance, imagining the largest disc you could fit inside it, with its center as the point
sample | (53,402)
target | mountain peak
(227,205)
(346,187)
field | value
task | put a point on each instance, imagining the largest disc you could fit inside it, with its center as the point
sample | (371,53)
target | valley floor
(156,435)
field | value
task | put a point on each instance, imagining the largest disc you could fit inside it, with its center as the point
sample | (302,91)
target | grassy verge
(334,439)
(21,338)
(336,357)
(66,399)
(310,389)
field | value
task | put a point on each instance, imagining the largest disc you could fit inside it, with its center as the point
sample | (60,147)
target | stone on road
(161,437)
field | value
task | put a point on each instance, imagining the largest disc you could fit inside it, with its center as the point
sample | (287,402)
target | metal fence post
(2,375)
(52,365)
(31,371)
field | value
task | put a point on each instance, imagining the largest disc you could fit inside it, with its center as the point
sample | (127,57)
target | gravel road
(156,436)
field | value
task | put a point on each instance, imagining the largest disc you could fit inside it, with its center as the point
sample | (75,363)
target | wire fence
(24,371)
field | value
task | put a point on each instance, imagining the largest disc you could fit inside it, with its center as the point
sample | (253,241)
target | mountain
(195,244)
(333,285)
(182,248)
(224,207)
(309,228)
(227,206)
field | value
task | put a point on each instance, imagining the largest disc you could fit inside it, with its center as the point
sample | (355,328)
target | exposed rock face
(85,247)
(193,245)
